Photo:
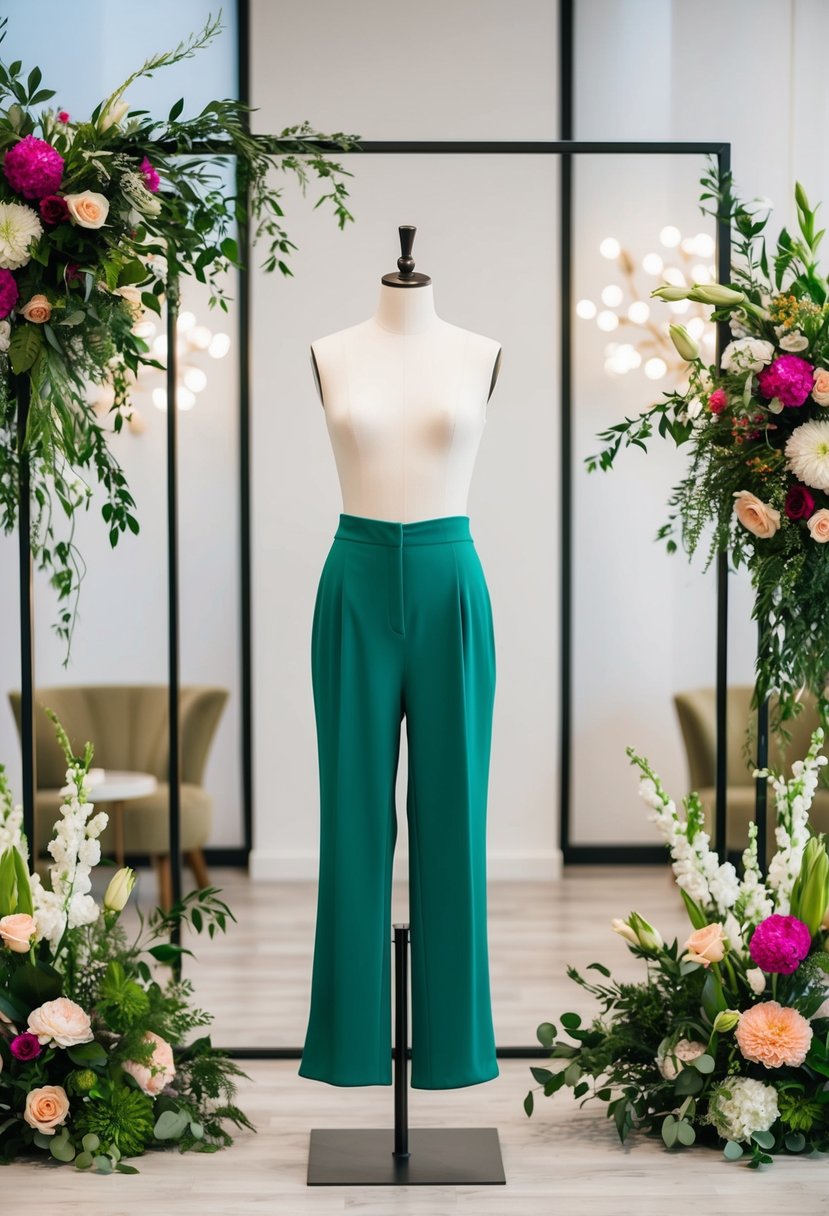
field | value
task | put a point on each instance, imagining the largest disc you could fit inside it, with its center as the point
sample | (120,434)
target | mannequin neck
(406,310)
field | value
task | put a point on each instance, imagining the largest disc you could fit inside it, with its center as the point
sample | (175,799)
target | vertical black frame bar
(174,700)
(27,650)
(721,683)
(245,532)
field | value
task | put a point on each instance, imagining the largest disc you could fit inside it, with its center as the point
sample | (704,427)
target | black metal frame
(566,148)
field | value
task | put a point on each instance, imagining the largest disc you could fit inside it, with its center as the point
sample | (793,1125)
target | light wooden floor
(563,1161)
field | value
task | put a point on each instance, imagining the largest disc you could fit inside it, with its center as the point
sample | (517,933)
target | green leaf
(704,1063)
(764,1139)
(555,1083)
(90,1142)
(151,301)
(713,1000)
(546,1034)
(83,1161)
(669,1131)
(176,110)
(230,249)
(25,346)
(541,1074)
(570,1021)
(126,1169)
(528,1103)
(732,1151)
(197,1130)
(167,952)
(689,1081)
(34,983)
(103,1163)
(62,1148)
(795,1142)
(685,1132)
(600,967)
(24,892)
(87,1054)
(171,1124)
(572,1073)
(133,272)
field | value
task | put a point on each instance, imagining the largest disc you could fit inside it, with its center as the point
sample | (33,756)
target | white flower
(756,980)
(807,449)
(747,355)
(694,407)
(739,1106)
(20,227)
(794,341)
(113,114)
(5,336)
(670,1062)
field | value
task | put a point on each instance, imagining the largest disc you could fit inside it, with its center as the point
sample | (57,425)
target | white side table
(119,787)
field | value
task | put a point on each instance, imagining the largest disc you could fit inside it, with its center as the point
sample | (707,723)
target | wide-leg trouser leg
(357,676)
(449,692)
(402,624)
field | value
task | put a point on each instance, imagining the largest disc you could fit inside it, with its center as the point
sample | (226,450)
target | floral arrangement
(99,218)
(725,1041)
(92,1066)
(757,485)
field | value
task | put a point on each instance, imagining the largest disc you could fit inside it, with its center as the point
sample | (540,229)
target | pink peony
(9,292)
(151,179)
(788,378)
(153,1077)
(718,401)
(53,209)
(779,944)
(799,502)
(773,1035)
(33,168)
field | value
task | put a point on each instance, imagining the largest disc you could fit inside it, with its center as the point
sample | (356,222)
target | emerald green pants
(402,627)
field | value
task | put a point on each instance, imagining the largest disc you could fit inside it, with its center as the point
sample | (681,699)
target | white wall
(487,236)
(746,72)
(121,635)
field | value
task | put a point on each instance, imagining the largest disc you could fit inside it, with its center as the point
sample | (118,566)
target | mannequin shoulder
(483,356)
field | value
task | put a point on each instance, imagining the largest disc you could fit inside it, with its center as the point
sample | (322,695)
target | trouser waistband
(390,532)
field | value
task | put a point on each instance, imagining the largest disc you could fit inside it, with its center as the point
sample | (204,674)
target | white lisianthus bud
(670,293)
(726,1020)
(624,930)
(119,890)
(113,114)
(715,293)
(686,347)
(638,932)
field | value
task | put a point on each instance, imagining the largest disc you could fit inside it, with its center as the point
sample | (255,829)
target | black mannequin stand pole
(400,1156)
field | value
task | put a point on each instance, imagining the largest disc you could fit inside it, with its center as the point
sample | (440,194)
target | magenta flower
(63,116)
(718,401)
(151,179)
(53,209)
(33,168)
(800,502)
(9,292)
(779,944)
(25,1046)
(788,378)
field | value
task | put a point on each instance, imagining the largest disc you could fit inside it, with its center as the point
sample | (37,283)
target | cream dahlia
(20,227)
(807,449)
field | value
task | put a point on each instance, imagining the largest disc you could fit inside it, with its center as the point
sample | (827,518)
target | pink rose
(718,401)
(17,931)
(818,525)
(153,1077)
(706,945)
(60,1023)
(820,388)
(46,1107)
(757,516)
(38,310)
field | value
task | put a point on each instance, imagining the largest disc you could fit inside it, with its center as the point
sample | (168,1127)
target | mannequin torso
(405,397)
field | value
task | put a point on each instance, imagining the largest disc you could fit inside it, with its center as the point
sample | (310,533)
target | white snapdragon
(74,849)
(793,799)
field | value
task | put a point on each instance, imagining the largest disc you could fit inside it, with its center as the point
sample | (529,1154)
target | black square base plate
(437,1156)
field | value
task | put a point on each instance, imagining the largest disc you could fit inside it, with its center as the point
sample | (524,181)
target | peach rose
(60,1023)
(17,931)
(46,1107)
(774,1035)
(757,516)
(706,945)
(818,525)
(820,388)
(154,1076)
(88,209)
(37,310)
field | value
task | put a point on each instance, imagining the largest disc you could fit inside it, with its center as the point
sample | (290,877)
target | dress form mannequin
(405,397)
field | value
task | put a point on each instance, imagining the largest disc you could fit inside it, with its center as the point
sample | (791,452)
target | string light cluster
(626,305)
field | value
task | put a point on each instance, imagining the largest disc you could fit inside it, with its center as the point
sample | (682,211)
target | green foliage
(120,1116)
(221,189)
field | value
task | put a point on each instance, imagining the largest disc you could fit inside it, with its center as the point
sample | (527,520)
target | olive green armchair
(696,711)
(128,727)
